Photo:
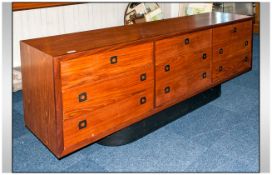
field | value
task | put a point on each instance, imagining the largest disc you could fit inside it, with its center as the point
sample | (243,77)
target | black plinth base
(150,124)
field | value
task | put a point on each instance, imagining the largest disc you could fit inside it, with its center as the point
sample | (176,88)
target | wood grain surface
(38,96)
(78,71)
(237,51)
(231,32)
(83,41)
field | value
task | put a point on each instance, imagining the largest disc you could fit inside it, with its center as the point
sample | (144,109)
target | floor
(222,136)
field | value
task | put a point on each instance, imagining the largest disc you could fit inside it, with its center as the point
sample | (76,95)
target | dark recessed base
(150,124)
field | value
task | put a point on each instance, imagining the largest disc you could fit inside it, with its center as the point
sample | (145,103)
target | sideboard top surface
(82,41)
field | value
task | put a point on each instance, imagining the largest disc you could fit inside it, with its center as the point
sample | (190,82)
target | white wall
(66,19)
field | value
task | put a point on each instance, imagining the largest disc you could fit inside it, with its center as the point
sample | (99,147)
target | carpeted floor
(222,136)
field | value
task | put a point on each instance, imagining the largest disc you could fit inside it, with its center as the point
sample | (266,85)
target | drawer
(222,34)
(183,44)
(201,57)
(104,66)
(243,30)
(92,96)
(172,65)
(91,124)
(243,44)
(221,51)
(199,79)
(242,60)
(231,32)
(231,66)
(171,88)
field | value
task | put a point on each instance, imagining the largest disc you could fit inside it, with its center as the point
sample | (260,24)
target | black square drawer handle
(82,124)
(220,68)
(113,59)
(187,41)
(246,58)
(143,77)
(82,97)
(167,68)
(204,75)
(234,30)
(143,100)
(167,89)
(204,56)
(221,51)
(246,43)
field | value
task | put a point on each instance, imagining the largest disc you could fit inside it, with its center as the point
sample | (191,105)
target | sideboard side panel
(38,95)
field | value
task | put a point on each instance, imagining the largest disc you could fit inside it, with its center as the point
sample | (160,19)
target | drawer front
(91,124)
(231,32)
(169,89)
(231,66)
(171,67)
(93,96)
(244,61)
(182,63)
(222,34)
(221,51)
(201,56)
(243,30)
(199,79)
(224,51)
(183,44)
(104,66)
(243,44)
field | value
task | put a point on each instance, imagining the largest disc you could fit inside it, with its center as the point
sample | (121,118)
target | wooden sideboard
(81,87)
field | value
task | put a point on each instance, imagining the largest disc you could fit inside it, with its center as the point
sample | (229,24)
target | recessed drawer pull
(143,77)
(246,58)
(167,68)
(204,56)
(220,68)
(167,89)
(113,59)
(82,124)
(187,41)
(221,51)
(82,97)
(234,30)
(143,100)
(204,75)
(246,43)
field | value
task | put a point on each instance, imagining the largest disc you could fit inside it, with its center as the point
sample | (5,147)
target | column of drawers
(101,91)
(182,66)
(232,46)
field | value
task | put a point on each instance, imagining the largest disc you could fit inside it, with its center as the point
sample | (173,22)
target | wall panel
(67,19)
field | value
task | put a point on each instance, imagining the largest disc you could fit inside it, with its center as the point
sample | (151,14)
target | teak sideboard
(81,87)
